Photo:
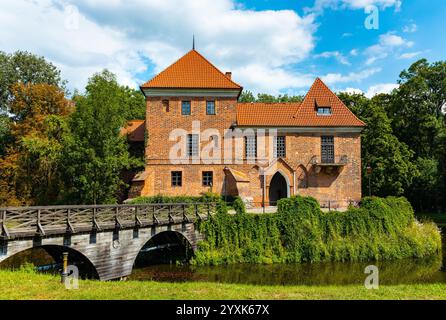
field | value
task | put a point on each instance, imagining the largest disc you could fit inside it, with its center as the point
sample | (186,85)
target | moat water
(411,271)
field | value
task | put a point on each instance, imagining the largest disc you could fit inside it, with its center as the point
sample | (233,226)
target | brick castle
(198,138)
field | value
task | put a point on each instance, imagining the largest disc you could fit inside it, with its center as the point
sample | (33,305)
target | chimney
(228,75)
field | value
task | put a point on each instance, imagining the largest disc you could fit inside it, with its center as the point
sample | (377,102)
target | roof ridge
(306,95)
(185,60)
(337,98)
(319,81)
(170,65)
(212,65)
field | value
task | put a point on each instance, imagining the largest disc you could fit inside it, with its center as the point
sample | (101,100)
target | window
(210,107)
(177,178)
(185,108)
(279,147)
(251,146)
(165,105)
(324,111)
(327,149)
(192,145)
(208,178)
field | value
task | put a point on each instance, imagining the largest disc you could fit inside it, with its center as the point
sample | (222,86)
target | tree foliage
(29,165)
(247,96)
(26,68)
(95,154)
(390,159)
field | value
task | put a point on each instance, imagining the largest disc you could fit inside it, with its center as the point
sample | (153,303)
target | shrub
(300,231)
(239,205)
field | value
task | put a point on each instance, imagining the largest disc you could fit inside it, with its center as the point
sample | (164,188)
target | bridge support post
(64,274)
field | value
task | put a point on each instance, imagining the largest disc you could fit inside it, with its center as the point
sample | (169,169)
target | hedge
(379,229)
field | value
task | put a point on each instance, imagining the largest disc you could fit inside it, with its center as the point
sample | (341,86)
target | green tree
(419,121)
(25,68)
(29,165)
(247,96)
(5,133)
(95,153)
(133,103)
(390,159)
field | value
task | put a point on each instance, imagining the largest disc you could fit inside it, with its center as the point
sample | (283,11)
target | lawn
(28,285)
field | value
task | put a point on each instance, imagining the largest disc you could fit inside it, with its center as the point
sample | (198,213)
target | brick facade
(338,183)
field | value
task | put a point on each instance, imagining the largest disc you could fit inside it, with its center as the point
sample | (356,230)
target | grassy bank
(27,286)
(381,229)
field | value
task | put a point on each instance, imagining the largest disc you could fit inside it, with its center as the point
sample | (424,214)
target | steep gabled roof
(192,71)
(299,114)
(321,96)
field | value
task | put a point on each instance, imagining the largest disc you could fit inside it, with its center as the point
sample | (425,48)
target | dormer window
(323,111)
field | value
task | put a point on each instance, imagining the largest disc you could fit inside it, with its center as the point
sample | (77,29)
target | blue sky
(271,46)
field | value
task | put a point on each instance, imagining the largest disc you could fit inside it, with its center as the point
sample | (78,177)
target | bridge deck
(24,222)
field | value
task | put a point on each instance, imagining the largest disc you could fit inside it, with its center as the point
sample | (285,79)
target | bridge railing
(42,221)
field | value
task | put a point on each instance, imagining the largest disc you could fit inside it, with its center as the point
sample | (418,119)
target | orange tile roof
(299,114)
(192,71)
(266,114)
(320,95)
(135,130)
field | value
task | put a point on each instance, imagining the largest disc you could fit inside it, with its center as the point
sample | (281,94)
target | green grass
(31,286)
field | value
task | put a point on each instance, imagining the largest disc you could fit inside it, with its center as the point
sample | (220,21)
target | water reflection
(395,272)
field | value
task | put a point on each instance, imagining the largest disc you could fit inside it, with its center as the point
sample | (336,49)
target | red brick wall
(340,187)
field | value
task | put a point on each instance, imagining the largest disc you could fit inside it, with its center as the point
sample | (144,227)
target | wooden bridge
(108,237)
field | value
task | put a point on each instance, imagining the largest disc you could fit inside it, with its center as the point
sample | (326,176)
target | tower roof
(192,71)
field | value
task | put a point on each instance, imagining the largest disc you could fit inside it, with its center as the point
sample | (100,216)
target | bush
(205,198)
(300,231)
(239,205)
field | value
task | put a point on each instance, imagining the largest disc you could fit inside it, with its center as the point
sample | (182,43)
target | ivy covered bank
(381,228)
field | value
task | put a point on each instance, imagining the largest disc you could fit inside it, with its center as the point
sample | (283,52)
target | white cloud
(410,55)
(334,78)
(130,36)
(334,54)
(410,28)
(352,90)
(354,52)
(319,5)
(260,78)
(380,88)
(372,90)
(388,43)
(391,40)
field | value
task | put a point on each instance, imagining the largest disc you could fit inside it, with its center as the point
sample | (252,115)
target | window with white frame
(251,146)
(210,107)
(324,111)
(193,145)
(279,147)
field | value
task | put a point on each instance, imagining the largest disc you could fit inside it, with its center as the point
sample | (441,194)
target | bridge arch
(75,257)
(164,247)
